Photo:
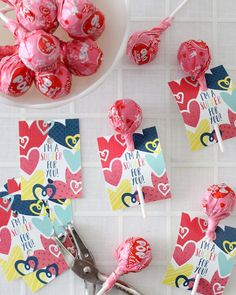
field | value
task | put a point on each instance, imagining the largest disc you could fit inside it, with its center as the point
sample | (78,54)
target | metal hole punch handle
(126,288)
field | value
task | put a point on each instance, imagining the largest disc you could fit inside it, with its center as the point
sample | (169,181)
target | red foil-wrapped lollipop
(7,50)
(133,255)
(54,84)
(15,78)
(195,58)
(82,58)
(37,15)
(81,19)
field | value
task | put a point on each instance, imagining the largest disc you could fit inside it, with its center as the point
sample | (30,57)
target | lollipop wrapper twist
(218,203)
(195,58)
(125,117)
(133,255)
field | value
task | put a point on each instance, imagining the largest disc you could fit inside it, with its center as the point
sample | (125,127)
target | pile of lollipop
(41,58)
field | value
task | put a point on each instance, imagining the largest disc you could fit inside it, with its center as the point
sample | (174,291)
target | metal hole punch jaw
(83,264)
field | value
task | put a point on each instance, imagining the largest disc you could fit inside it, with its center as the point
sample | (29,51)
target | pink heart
(164,188)
(54,250)
(113,175)
(5,241)
(29,163)
(192,115)
(182,254)
(76,186)
(218,289)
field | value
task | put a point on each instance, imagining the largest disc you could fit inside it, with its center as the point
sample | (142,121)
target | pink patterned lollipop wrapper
(81,19)
(15,78)
(132,256)
(37,15)
(39,51)
(195,58)
(82,58)
(54,84)
(125,116)
(143,46)
(7,50)
(218,203)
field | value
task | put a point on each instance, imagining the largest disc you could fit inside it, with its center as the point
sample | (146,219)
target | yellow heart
(8,266)
(115,196)
(37,208)
(73,142)
(153,146)
(231,249)
(172,273)
(32,282)
(194,138)
(27,185)
(225,83)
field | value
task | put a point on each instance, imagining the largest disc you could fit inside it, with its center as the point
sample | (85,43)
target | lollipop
(133,255)
(81,19)
(143,46)
(54,84)
(15,78)
(82,58)
(37,15)
(218,203)
(38,50)
(7,50)
(125,117)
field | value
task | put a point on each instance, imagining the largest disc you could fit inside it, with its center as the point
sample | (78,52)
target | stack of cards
(38,205)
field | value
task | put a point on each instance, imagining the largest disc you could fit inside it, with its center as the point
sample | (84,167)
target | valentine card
(124,170)
(193,255)
(202,110)
(50,164)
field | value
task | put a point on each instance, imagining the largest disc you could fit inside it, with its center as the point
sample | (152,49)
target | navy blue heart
(59,132)
(228,234)
(140,140)
(218,73)
(47,272)
(23,207)
(27,265)
(131,197)
(4,191)
(205,137)
(186,282)
(44,191)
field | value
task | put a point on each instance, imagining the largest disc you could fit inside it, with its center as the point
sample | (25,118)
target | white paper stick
(6,9)
(196,283)
(4,18)
(141,199)
(219,138)
(178,8)
(102,291)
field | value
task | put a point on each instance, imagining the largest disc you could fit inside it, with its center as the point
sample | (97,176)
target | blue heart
(43,225)
(225,265)
(156,163)
(27,264)
(64,215)
(48,274)
(59,132)
(230,99)
(218,73)
(130,199)
(73,160)
(140,140)
(226,234)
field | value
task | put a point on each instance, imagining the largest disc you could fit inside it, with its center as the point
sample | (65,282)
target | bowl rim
(56,104)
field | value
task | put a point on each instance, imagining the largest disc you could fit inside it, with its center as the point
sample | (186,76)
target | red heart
(5,241)
(29,163)
(113,175)
(192,115)
(182,254)
(5,211)
(229,130)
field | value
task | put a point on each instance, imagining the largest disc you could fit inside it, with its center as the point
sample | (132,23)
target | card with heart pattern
(50,163)
(123,170)
(201,110)
(193,255)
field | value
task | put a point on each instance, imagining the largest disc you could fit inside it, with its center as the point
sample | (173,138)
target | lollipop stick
(219,138)
(178,8)
(196,283)
(6,9)
(141,199)
(3,18)
(102,291)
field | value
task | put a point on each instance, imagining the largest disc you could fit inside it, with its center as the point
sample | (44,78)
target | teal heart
(64,215)
(44,226)
(58,228)
(230,99)
(156,163)
(225,265)
(72,159)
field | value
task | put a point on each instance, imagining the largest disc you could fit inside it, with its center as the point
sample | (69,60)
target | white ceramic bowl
(111,43)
